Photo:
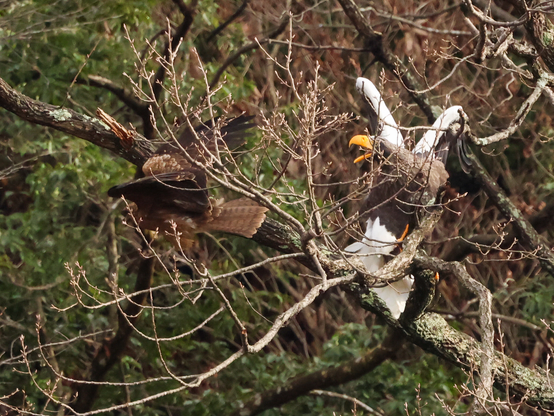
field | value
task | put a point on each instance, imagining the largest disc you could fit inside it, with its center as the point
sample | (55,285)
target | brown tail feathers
(241,216)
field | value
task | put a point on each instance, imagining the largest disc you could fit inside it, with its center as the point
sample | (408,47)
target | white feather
(377,243)
(395,295)
(355,247)
(431,138)
(390,130)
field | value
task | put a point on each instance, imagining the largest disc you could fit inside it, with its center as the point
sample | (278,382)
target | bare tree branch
(325,378)
(526,233)
(127,97)
(520,116)
(374,42)
(540,30)
(482,243)
(247,48)
(111,351)
(226,23)
(433,333)
(174,39)
(72,123)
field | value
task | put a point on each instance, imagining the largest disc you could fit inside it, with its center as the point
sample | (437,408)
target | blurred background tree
(65,252)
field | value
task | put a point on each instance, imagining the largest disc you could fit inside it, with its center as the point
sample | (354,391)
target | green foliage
(61,229)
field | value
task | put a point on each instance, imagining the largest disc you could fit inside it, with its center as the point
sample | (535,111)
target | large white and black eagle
(173,196)
(404,181)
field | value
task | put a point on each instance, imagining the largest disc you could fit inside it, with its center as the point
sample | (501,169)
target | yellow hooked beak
(363,141)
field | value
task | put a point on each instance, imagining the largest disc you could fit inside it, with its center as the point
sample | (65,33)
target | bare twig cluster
(296,164)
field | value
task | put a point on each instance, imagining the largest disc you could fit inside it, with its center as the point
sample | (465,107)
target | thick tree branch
(188,12)
(498,13)
(374,42)
(126,96)
(230,20)
(321,379)
(540,30)
(431,331)
(434,334)
(481,243)
(523,228)
(247,48)
(72,123)
(486,372)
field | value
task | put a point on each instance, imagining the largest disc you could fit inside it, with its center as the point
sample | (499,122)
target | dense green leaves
(63,242)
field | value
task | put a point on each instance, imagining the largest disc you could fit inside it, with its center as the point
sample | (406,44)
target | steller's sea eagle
(173,196)
(404,181)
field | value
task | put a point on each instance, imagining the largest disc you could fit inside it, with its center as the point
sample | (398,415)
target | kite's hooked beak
(363,141)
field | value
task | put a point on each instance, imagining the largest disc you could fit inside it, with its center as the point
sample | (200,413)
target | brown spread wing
(173,197)
(184,191)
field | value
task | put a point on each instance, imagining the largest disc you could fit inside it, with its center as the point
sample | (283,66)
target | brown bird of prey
(403,182)
(173,196)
